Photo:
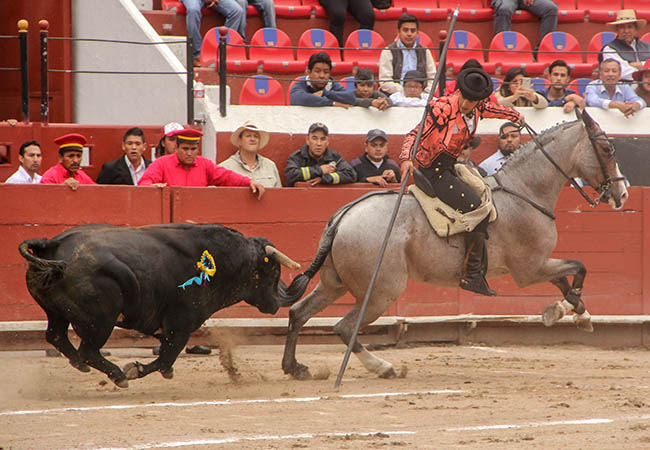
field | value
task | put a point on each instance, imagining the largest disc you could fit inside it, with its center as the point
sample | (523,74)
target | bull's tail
(43,271)
(292,293)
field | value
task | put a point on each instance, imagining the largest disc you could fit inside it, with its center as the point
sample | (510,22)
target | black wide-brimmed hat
(474,84)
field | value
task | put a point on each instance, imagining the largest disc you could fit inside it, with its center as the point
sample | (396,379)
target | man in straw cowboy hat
(627,49)
(449,126)
(249,139)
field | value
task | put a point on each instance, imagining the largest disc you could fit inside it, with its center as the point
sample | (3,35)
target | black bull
(161,280)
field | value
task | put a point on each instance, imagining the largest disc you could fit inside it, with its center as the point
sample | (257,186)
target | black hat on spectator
(474,84)
(415,75)
(318,126)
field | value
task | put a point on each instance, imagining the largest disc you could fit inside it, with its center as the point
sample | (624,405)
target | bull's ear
(589,122)
(578,113)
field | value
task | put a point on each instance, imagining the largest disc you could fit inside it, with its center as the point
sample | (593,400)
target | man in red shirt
(187,168)
(68,170)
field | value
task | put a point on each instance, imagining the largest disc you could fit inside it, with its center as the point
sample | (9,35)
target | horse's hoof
(81,367)
(131,371)
(123,383)
(553,313)
(167,374)
(390,373)
(583,322)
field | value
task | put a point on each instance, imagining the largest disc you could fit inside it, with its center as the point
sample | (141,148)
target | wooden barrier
(614,245)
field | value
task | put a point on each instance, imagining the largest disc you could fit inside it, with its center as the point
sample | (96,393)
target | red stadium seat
(274,59)
(291,85)
(319,11)
(521,16)
(261,90)
(180,8)
(292,9)
(645,37)
(597,42)
(568,12)
(320,40)
(518,53)
(579,85)
(392,13)
(539,84)
(236,60)
(348,83)
(471,10)
(465,45)
(642,8)
(425,10)
(357,43)
(561,45)
(600,11)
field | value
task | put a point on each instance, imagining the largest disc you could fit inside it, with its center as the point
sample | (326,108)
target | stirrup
(477,284)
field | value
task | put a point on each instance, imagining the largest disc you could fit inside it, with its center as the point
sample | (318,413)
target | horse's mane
(545,137)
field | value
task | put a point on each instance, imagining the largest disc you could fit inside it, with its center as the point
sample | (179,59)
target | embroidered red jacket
(445,129)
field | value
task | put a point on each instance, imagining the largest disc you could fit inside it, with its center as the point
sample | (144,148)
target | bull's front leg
(171,345)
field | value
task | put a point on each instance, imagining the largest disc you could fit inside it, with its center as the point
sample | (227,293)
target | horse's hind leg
(372,363)
(299,314)
(57,335)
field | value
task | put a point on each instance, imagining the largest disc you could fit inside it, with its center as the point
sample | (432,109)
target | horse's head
(599,167)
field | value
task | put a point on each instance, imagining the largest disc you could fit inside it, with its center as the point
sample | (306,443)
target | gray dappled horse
(521,240)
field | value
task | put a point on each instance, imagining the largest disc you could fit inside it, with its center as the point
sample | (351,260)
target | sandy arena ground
(452,397)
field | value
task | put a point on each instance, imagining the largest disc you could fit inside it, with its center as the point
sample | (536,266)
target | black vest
(398,59)
(627,52)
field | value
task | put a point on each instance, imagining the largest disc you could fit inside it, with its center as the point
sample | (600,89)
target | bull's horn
(282,258)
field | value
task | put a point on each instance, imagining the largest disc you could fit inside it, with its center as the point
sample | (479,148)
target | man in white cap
(167,144)
(249,139)
(627,49)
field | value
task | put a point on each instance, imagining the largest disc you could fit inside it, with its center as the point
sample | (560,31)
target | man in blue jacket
(319,88)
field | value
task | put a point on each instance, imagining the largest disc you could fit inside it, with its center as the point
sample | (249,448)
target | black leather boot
(476,265)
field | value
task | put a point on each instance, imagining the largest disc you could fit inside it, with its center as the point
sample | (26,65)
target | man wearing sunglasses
(509,141)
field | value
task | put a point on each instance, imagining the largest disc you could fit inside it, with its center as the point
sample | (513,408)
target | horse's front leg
(572,298)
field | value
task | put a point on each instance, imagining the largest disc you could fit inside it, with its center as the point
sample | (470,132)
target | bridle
(604,188)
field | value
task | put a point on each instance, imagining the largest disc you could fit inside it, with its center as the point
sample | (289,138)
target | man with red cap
(449,126)
(68,170)
(186,168)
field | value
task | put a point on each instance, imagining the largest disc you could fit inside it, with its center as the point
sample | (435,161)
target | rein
(540,208)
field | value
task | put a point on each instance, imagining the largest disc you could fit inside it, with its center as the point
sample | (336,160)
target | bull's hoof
(390,373)
(301,372)
(553,313)
(583,322)
(167,374)
(123,383)
(131,370)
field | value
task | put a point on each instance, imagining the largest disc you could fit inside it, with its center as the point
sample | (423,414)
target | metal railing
(23,26)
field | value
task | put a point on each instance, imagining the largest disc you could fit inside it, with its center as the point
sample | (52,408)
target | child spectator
(413,95)
(366,93)
(374,166)
(319,88)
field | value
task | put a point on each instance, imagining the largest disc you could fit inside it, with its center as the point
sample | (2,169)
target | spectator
(413,94)
(187,168)
(466,154)
(450,85)
(316,163)
(337,11)
(627,48)
(30,158)
(516,91)
(127,169)
(609,93)
(319,88)
(374,166)
(509,141)
(249,140)
(642,77)
(404,55)
(167,144)
(235,18)
(366,93)
(557,93)
(545,10)
(68,170)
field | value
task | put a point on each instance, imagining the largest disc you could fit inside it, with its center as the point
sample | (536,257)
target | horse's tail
(43,271)
(293,292)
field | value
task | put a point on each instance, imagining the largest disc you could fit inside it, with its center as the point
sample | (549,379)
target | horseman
(449,126)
